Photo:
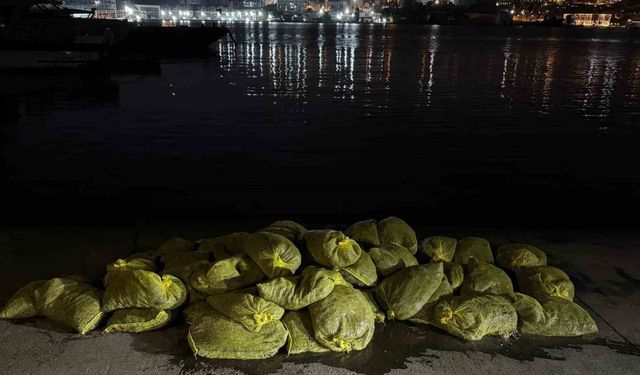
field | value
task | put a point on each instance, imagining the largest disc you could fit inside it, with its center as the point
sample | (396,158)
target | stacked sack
(486,303)
(71,301)
(247,295)
(139,298)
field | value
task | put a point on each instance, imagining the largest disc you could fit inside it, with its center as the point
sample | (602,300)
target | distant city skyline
(599,13)
(314,4)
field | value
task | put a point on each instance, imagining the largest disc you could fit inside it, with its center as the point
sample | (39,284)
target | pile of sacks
(246,295)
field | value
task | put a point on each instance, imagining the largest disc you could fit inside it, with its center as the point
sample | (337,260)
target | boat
(39,34)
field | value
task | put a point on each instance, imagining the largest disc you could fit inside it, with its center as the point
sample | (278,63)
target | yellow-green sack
(213,335)
(71,302)
(343,321)
(362,273)
(223,247)
(514,256)
(129,264)
(395,231)
(473,247)
(251,311)
(273,253)
(378,314)
(405,292)
(364,232)
(143,289)
(287,228)
(301,338)
(472,318)
(225,275)
(545,281)
(485,278)
(439,248)
(554,316)
(425,315)
(391,258)
(137,320)
(22,304)
(331,248)
(454,273)
(196,310)
(297,292)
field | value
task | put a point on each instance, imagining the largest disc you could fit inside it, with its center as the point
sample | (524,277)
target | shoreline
(512,24)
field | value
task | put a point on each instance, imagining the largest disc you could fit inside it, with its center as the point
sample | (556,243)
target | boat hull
(161,42)
(11,59)
(71,43)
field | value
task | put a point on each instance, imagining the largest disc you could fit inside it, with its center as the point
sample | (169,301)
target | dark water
(445,125)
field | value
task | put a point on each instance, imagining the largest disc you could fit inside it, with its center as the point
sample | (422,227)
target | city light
(352,11)
(248,15)
(318,12)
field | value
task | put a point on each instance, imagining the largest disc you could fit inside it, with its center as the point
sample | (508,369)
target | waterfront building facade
(103,8)
(588,19)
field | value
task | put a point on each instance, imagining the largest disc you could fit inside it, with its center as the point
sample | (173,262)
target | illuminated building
(292,6)
(588,19)
(104,8)
(594,2)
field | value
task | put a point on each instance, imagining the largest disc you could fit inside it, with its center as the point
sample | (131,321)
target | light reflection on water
(353,120)
(570,78)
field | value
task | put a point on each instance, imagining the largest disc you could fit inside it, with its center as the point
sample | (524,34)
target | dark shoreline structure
(549,14)
(40,35)
(441,281)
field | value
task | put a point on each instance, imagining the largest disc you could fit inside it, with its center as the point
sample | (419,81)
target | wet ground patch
(394,346)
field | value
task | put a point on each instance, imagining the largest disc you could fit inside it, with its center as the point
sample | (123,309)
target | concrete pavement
(604,266)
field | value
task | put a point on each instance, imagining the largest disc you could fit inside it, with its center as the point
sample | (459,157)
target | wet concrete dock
(605,267)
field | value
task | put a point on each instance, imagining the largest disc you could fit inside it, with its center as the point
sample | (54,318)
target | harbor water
(459,125)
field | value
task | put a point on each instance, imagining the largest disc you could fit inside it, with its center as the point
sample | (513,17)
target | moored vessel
(39,34)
